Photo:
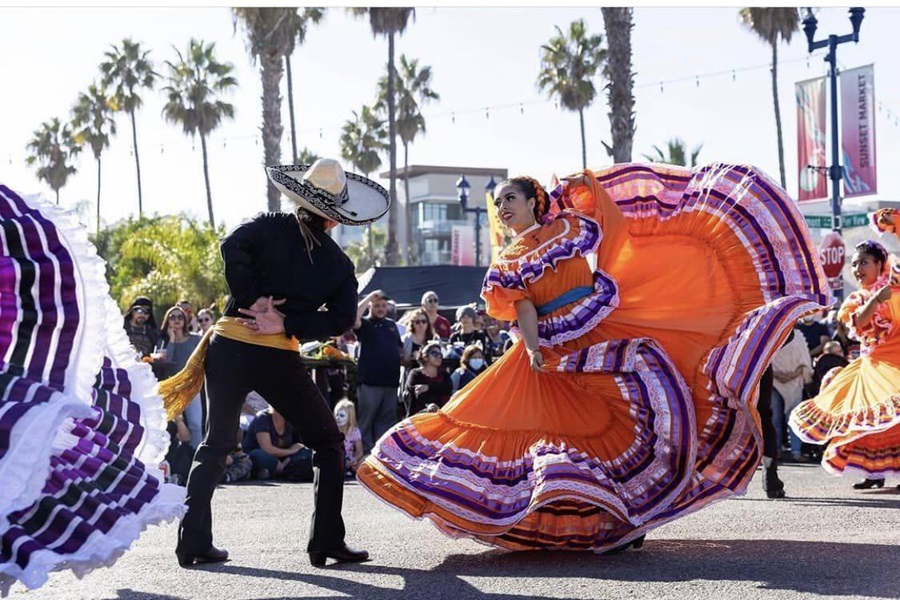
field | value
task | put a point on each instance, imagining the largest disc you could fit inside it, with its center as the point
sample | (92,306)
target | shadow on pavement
(823,568)
(889,499)
(129,594)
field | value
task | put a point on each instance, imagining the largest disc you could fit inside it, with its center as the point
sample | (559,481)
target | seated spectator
(192,325)
(238,465)
(180,454)
(253,405)
(471,365)
(140,327)
(431,304)
(345,417)
(429,386)
(206,318)
(274,448)
(467,334)
(850,347)
(419,332)
(175,347)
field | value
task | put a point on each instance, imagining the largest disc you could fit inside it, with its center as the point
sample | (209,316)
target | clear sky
(480,57)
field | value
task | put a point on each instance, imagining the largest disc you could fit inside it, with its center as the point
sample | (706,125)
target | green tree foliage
(193,98)
(773,25)
(306,157)
(413,88)
(126,71)
(53,148)
(569,63)
(389,23)
(676,153)
(362,256)
(92,118)
(164,258)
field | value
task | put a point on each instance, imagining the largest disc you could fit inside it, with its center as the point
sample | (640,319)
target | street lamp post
(463,187)
(835,171)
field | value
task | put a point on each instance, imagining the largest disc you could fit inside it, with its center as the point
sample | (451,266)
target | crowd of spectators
(816,347)
(402,365)
(409,364)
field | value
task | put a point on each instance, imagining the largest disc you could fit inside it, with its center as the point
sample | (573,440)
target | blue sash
(567,298)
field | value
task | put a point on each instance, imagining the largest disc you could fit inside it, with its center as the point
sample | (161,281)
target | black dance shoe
(213,555)
(868,484)
(636,543)
(772,484)
(343,554)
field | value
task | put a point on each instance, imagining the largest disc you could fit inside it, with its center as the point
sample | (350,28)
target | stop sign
(832,253)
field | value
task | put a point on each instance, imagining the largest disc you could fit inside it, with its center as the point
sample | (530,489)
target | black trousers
(233,369)
(771,447)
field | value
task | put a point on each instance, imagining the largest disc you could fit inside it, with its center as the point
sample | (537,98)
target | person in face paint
(345,416)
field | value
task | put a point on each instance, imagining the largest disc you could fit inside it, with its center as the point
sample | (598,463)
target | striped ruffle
(817,426)
(576,319)
(499,492)
(579,235)
(81,427)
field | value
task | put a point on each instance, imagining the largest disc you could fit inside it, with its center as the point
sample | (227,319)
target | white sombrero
(325,189)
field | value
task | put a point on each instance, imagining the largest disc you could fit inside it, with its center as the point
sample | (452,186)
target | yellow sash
(178,391)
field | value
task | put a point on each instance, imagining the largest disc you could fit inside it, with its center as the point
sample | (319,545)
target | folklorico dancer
(629,399)
(280,269)
(857,411)
(82,430)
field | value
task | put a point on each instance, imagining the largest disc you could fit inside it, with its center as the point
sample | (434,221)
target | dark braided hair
(873,249)
(531,188)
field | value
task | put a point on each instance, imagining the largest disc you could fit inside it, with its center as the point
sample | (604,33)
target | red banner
(858,131)
(812,176)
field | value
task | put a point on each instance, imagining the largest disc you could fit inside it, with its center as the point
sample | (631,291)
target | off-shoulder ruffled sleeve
(878,327)
(500,302)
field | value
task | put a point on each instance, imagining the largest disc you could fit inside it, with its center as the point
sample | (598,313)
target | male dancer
(280,269)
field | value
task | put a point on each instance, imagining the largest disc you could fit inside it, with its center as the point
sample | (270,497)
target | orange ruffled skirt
(645,417)
(858,415)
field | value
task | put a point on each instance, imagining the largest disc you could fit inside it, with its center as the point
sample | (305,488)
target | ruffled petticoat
(647,411)
(82,430)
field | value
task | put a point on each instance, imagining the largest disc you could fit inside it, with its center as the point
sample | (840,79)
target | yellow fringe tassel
(178,391)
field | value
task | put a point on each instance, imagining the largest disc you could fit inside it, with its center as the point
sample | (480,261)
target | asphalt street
(825,541)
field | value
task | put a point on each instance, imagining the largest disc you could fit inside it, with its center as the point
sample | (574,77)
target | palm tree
(53,147)
(773,25)
(675,153)
(413,89)
(271,36)
(309,15)
(306,157)
(362,140)
(569,63)
(193,97)
(618,24)
(127,70)
(390,22)
(93,120)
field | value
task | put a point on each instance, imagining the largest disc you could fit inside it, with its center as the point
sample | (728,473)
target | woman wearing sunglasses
(428,386)
(176,347)
(205,319)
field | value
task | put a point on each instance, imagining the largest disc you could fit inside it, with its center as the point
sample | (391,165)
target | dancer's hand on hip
(266,321)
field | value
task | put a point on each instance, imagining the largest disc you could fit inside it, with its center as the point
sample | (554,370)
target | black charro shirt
(267,257)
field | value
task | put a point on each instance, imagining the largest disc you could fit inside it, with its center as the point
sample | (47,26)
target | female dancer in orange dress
(858,411)
(628,401)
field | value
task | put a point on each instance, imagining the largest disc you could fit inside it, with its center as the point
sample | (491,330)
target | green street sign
(848,220)
(818,221)
(856,220)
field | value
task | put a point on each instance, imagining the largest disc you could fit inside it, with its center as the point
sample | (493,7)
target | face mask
(341,418)
(476,363)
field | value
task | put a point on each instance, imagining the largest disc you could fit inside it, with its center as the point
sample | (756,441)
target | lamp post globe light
(810,23)
(462,187)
